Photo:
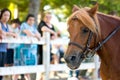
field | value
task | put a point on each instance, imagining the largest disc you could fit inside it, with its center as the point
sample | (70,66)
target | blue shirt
(3,46)
(29,50)
(24,26)
(33,29)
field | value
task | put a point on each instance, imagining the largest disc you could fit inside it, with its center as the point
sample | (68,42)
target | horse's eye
(85,30)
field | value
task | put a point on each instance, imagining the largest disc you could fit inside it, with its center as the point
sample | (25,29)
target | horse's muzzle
(73,60)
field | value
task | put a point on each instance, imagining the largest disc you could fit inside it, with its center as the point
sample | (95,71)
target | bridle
(86,51)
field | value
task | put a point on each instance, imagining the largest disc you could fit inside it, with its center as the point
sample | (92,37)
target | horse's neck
(107,24)
(111,47)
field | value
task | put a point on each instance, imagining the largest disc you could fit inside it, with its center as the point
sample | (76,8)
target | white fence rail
(46,67)
(40,68)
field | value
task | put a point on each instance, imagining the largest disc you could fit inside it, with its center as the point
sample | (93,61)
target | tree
(34,8)
(59,7)
(105,6)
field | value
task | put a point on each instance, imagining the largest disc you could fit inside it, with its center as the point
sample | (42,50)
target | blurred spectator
(15,24)
(13,48)
(14,27)
(46,26)
(29,30)
(29,51)
(61,49)
(0,34)
(58,48)
(74,73)
(5,16)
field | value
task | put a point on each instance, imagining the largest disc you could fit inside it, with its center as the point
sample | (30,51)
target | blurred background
(61,10)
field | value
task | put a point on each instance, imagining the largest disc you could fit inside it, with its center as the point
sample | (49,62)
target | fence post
(46,55)
(97,65)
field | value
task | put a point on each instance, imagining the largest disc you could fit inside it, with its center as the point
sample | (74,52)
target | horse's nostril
(73,58)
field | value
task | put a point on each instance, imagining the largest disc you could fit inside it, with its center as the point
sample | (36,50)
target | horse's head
(82,27)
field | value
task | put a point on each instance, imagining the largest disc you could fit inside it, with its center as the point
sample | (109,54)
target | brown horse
(90,32)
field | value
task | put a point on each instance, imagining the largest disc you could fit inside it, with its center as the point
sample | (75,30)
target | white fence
(46,67)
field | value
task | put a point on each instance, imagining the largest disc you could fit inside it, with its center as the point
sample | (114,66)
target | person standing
(45,26)
(5,16)
(29,30)
(13,48)
(29,51)
(15,28)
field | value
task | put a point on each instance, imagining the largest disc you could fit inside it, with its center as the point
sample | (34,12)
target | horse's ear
(75,8)
(93,10)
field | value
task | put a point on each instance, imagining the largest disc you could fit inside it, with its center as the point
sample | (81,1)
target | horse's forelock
(84,17)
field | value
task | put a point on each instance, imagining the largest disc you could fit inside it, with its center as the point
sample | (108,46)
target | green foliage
(4,3)
(22,6)
(63,7)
